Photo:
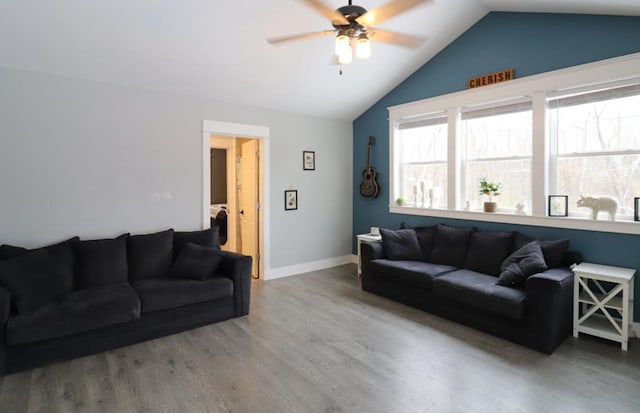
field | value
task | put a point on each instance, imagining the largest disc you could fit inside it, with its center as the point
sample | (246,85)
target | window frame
(431,119)
(554,156)
(539,88)
(520,104)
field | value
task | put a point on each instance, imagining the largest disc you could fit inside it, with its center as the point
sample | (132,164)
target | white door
(248,201)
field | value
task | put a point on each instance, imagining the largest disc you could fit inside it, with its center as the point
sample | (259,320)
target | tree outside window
(597,143)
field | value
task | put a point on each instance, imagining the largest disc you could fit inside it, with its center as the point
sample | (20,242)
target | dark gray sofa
(78,297)
(456,275)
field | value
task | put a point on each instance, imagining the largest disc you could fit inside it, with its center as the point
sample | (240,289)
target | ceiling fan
(354,25)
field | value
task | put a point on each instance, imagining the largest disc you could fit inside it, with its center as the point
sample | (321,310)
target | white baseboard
(354,259)
(308,267)
(635,330)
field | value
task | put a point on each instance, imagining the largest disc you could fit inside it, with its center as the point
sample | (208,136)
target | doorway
(235,180)
(244,159)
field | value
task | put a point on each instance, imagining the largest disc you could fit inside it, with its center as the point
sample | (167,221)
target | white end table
(601,312)
(365,238)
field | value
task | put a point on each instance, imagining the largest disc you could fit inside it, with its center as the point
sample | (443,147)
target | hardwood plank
(317,343)
(14,393)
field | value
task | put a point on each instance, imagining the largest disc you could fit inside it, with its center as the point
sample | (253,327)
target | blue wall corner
(530,43)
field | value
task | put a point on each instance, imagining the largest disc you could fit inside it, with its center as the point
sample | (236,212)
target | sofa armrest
(238,268)
(369,251)
(5,312)
(550,308)
(5,305)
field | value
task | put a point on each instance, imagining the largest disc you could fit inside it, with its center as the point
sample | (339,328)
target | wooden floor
(318,343)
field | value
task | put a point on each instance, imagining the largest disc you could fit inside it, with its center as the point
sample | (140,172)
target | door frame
(239,130)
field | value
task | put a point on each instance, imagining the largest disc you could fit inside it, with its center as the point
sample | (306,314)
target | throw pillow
(425,236)
(487,250)
(522,264)
(102,262)
(150,255)
(401,244)
(554,252)
(450,245)
(205,238)
(196,262)
(63,254)
(33,280)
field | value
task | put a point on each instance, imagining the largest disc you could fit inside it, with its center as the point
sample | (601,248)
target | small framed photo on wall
(309,160)
(558,205)
(636,209)
(290,199)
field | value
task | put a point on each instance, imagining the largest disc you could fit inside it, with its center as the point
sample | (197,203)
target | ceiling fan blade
(302,36)
(399,39)
(335,17)
(387,11)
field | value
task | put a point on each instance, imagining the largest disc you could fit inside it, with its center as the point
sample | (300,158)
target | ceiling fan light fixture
(346,56)
(342,43)
(363,47)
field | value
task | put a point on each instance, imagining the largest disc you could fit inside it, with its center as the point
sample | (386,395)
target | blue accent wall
(531,43)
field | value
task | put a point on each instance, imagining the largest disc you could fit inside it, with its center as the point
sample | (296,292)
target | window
(497,146)
(421,147)
(570,132)
(596,146)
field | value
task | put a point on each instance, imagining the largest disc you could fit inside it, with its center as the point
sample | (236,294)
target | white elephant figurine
(597,204)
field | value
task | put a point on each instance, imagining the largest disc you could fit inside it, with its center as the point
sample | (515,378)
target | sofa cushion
(400,244)
(102,262)
(205,238)
(150,255)
(450,245)
(425,236)
(481,291)
(80,311)
(487,251)
(164,293)
(33,280)
(522,264)
(196,262)
(520,240)
(416,273)
(63,253)
(554,251)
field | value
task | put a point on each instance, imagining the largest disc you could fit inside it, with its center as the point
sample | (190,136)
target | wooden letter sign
(491,78)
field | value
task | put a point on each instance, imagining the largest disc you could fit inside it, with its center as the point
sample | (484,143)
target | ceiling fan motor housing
(351,13)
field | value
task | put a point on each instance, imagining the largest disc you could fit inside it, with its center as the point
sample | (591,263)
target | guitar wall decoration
(369,187)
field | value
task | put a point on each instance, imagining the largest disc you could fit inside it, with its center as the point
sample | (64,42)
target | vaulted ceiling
(217,50)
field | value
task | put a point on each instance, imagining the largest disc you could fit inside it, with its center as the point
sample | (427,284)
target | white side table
(601,312)
(365,238)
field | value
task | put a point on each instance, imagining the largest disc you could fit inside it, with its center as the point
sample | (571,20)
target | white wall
(96,160)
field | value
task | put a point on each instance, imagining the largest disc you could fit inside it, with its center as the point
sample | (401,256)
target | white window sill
(622,227)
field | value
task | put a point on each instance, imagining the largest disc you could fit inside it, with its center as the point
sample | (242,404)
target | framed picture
(290,199)
(558,205)
(636,209)
(309,160)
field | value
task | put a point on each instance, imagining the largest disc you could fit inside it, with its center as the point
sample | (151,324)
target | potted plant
(489,189)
